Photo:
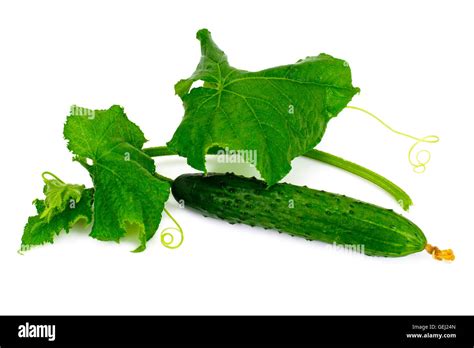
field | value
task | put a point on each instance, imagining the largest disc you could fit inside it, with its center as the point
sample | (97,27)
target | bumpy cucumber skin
(316,215)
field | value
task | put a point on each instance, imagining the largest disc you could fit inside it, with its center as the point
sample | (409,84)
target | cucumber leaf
(278,113)
(127,194)
(42,228)
(58,195)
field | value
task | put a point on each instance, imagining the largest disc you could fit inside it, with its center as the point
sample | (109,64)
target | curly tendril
(416,160)
(420,165)
(164,234)
(45,179)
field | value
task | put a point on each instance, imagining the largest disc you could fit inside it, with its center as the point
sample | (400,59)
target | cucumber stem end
(440,255)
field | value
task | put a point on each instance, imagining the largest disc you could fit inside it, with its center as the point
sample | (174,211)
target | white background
(414,64)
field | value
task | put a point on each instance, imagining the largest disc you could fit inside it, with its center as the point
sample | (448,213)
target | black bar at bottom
(290,331)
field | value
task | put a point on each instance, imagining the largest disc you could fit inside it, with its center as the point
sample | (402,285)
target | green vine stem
(395,191)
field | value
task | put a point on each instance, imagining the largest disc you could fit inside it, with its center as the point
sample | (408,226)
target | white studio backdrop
(414,64)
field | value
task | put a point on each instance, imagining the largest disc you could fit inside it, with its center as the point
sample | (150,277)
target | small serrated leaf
(40,230)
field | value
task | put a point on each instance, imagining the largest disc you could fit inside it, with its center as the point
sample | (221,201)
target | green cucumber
(301,211)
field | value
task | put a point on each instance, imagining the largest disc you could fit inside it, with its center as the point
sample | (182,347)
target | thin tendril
(43,175)
(165,234)
(418,164)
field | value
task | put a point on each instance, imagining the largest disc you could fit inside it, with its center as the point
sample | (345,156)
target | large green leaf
(278,113)
(127,194)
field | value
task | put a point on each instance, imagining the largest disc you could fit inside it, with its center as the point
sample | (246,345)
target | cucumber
(301,211)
